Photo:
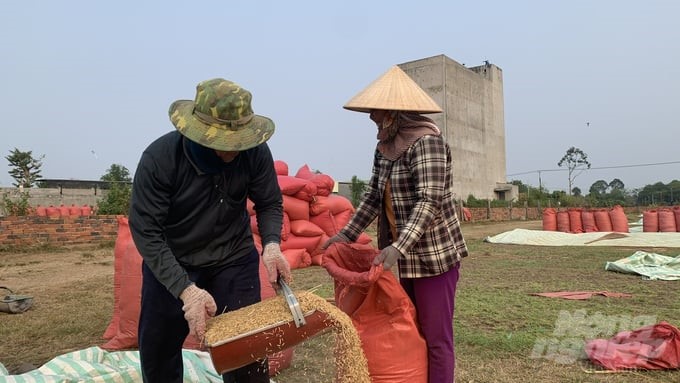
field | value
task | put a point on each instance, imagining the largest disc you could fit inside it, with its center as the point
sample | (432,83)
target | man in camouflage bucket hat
(189,221)
(221,117)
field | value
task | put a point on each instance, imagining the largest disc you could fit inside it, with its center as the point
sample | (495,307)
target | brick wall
(34,230)
(504,214)
(526,213)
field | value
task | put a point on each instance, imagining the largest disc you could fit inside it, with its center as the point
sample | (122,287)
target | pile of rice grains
(350,361)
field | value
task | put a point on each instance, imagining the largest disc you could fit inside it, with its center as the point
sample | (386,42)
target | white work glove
(275,263)
(199,305)
(338,238)
(388,257)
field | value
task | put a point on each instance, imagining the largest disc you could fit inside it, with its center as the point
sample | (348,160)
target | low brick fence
(35,231)
(78,230)
(525,213)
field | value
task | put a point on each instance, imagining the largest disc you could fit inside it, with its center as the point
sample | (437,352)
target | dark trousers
(163,329)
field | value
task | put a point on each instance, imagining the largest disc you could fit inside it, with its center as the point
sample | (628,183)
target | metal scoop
(293,303)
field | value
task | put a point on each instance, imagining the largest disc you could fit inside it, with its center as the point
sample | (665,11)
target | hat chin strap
(231,124)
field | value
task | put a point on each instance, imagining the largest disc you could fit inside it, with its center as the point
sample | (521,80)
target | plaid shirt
(429,234)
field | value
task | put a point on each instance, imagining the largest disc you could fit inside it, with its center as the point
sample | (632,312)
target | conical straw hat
(394,90)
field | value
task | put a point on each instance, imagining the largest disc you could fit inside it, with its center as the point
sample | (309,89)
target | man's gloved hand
(339,238)
(388,257)
(275,263)
(198,306)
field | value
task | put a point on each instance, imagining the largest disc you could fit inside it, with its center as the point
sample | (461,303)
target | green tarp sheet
(650,265)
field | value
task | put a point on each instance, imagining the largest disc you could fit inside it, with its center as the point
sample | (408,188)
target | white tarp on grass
(556,238)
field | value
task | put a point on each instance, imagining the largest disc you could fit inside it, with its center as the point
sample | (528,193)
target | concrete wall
(472,121)
(55,196)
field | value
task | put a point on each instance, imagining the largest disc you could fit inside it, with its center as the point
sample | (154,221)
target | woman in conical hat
(410,193)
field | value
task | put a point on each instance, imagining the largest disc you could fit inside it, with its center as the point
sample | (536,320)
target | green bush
(117,200)
(17,206)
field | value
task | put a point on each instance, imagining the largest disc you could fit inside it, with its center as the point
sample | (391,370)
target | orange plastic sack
(619,219)
(297,258)
(334,203)
(549,219)
(281,168)
(381,312)
(602,220)
(588,219)
(654,347)
(575,221)
(563,222)
(666,221)
(296,208)
(650,221)
(127,293)
(290,185)
(303,228)
(676,212)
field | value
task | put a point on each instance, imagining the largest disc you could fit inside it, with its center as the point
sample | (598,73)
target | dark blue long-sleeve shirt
(182,216)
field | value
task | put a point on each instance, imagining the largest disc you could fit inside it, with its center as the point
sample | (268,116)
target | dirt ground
(45,272)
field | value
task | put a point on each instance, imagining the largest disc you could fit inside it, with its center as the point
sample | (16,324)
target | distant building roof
(73,184)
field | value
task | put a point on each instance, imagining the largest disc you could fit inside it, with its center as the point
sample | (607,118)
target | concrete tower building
(472,122)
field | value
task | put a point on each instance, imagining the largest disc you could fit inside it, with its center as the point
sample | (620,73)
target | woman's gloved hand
(339,238)
(388,257)
(198,306)
(276,263)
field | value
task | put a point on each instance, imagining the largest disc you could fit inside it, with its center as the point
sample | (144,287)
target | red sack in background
(650,221)
(653,347)
(588,219)
(549,219)
(619,219)
(563,222)
(575,221)
(281,168)
(127,294)
(290,185)
(297,258)
(666,220)
(296,208)
(381,312)
(305,173)
(602,220)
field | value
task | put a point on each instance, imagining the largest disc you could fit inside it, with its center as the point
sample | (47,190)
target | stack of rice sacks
(311,215)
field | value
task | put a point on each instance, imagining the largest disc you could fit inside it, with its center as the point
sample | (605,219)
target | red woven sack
(654,347)
(381,312)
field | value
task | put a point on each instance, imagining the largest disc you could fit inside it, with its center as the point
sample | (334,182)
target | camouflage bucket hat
(221,117)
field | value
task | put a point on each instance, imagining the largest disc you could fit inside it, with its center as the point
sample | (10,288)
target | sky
(87,84)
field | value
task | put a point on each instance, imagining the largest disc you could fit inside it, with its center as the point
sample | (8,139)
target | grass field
(501,330)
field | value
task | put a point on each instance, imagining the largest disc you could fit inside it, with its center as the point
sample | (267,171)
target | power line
(597,168)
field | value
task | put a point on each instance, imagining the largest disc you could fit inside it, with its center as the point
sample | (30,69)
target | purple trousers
(434,299)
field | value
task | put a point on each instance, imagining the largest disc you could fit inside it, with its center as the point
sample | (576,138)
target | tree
(117,199)
(25,168)
(575,160)
(117,173)
(599,188)
(616,184)
(357,188)
(576,191)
